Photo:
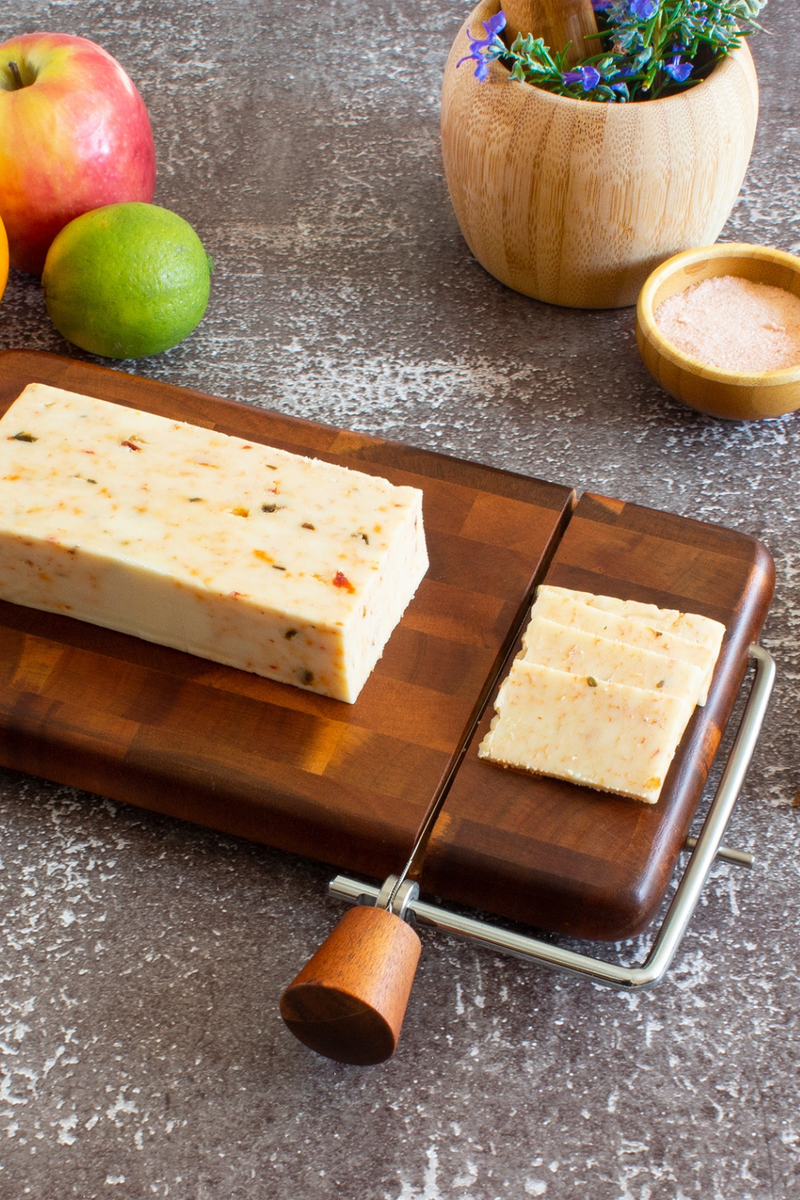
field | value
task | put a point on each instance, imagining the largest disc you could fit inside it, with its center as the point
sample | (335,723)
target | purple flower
(643,10)
(495,24)
(679,71)
(601,5)
(483,50)
(587,77)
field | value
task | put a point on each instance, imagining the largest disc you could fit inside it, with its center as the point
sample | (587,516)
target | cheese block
(608,736)
(570,649)
(248,555)
(633,631)
(692,626)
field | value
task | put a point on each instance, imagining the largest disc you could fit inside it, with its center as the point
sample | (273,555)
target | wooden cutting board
(348,784)
(568,858)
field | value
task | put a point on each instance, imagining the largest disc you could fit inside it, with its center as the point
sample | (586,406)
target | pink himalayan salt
(734,324)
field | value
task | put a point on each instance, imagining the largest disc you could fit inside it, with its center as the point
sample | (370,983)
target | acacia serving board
(568,858)
(348,784)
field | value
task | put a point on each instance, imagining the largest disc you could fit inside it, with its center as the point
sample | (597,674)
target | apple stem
(14,69)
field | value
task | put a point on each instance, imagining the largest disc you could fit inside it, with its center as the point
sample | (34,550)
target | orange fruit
(3,259)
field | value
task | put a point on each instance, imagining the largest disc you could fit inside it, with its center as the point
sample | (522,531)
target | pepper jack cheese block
(690,626)
(631,631)
(289,567)
(569,649)
(608,736)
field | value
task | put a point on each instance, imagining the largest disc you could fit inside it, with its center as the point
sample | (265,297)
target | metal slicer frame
(400,895)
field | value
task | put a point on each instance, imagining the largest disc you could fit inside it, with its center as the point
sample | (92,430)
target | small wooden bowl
(733,395)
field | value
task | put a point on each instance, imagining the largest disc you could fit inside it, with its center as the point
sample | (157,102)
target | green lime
(126,280)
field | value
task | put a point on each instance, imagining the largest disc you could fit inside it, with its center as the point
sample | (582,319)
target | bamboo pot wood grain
(575,202)
(732,395)
(560,23)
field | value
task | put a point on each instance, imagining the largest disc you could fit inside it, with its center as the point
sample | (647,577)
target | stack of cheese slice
(602,691)
(238,552)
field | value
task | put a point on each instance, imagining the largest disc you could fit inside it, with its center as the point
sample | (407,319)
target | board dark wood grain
(348,784)
(568,858)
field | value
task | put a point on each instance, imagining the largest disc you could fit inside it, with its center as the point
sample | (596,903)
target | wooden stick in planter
(557,22)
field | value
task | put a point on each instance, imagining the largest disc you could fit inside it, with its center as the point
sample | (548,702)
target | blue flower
(680,71)
(643,10)
(601,5)
(483,50)
(587,77)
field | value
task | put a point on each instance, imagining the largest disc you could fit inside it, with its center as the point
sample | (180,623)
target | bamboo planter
(575,202)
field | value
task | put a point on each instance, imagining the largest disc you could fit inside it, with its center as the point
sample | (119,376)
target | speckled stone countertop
(141,1050)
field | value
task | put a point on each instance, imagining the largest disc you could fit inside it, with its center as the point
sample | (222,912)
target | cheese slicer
(349,1001)
(560,23)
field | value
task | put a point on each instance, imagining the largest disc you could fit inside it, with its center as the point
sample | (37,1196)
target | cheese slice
(247,555)
(608,736)
(633,631)
(569,649)
(691,626)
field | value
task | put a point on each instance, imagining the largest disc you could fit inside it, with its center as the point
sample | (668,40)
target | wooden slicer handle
(349,1000)
(557,22)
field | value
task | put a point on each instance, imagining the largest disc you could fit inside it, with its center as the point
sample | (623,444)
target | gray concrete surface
(141,1051)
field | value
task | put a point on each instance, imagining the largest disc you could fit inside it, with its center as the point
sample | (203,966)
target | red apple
(74,135)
